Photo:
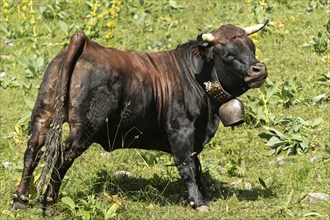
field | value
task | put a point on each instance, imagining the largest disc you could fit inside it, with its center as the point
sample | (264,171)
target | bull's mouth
(256,75)
(255,82)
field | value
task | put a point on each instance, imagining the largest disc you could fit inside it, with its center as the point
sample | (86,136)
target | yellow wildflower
(117,2)
(256,41)
(279,24)
(24,8)
(5,5)
(113,14)
(115,8)
(25,1)
(95,6)
(100,16)
(109,35)
(325,58)
(93,14)
(18,133)
(258,52)
(111,24)
(91,22)
(263,3)
(254,38)
(32,22)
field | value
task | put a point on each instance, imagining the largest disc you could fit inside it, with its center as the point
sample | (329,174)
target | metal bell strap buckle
(215,91)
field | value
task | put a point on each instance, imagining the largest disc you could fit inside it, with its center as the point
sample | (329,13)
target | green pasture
(267,168)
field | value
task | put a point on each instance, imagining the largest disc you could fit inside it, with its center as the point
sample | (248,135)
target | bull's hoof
(48,212)
(203,208)
(20,205)
(20,202)
(47,206)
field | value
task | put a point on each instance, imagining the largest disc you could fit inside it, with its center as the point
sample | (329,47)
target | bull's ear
(205,45)
(205,51)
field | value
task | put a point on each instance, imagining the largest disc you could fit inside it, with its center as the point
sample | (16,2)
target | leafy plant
(294,139)
(257,110)
(7,83)
(321,43)
(35,66)
(324,79)
(54,10)
(92,208)
(315,4)
(287,206)
(320,98)
(257,107)
(292,143)
(235,163)
(288,92)
(259,10)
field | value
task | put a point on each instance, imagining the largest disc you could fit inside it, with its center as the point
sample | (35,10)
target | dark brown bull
(124,99)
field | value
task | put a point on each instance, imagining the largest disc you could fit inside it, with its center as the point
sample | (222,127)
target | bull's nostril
(255,69)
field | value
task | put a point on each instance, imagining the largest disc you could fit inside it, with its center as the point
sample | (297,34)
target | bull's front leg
(193,184)
(189,167)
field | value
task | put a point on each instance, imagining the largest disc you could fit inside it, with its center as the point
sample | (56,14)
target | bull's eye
(228,56)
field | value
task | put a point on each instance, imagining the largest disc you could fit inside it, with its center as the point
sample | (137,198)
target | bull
(167,101)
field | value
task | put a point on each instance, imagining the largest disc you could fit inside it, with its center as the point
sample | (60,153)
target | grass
(241,181)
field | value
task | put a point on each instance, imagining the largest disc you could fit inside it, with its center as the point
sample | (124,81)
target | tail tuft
(53,155)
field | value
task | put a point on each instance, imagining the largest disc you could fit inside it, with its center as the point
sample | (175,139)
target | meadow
(268,168)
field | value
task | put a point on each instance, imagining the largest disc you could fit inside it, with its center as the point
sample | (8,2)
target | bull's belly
(132,136)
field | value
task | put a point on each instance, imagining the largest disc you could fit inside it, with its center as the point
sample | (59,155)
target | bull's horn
(253,29)
(207,38)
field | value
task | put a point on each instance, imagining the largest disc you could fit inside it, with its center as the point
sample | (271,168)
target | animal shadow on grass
(163,191)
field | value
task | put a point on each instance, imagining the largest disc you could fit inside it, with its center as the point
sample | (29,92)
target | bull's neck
(208,78)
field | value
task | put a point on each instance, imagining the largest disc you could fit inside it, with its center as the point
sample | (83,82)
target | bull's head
(236,66)
(233,54)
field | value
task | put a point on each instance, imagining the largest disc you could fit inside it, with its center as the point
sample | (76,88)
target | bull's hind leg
(32,156)
(77,142)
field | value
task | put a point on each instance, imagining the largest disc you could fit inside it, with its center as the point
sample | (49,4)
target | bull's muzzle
(256,75)
(232,113)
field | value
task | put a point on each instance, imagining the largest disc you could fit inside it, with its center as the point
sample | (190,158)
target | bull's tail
(53,144)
